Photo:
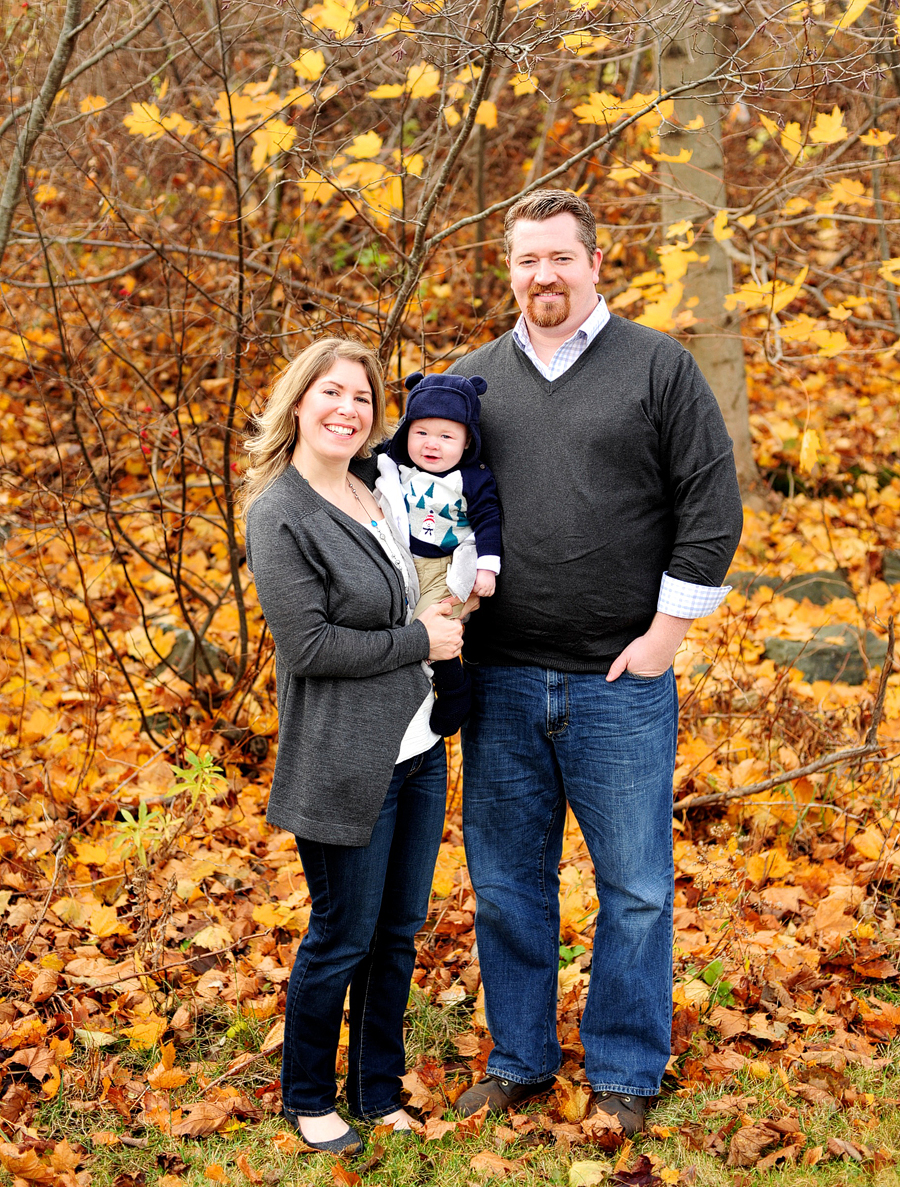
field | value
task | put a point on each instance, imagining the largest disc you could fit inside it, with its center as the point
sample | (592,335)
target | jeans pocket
(643,679)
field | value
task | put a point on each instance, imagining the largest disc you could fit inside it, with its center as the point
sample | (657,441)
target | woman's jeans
(537,738)
(367,905)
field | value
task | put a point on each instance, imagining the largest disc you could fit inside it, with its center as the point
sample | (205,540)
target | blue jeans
(535,739)
(367,905)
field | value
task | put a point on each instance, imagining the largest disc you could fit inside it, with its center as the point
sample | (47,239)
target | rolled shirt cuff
(683,599)
(489,562)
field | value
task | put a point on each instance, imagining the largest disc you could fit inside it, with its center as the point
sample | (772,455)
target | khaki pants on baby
(432,572)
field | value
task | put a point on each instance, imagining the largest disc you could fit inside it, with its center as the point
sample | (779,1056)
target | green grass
(406,1161)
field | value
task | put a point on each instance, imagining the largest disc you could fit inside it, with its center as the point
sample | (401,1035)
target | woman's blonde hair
(271,446)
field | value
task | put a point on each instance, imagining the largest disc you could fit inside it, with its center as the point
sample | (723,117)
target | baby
(446,499)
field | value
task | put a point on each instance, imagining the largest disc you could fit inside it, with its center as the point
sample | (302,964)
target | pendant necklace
(389,547)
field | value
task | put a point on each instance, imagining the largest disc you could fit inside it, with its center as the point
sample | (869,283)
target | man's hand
(485,583)
(652,654)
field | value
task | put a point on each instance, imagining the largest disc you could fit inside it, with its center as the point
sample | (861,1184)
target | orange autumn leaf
(216,1172)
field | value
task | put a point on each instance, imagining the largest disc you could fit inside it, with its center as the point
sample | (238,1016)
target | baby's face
(436,445)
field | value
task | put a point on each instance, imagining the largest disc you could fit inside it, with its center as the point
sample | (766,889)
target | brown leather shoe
(498,1095)
(627,1110)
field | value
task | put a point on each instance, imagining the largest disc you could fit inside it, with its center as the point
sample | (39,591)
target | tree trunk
(28,135)
(697,192)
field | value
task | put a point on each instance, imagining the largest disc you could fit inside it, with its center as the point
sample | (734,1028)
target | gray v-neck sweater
(619,470)
(347,667)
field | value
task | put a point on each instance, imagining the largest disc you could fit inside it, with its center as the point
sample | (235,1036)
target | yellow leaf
(809,452)
(676,229)
(339,17)
(854,11)
(145,1034)
(588,1173)
(720,228)
(178,124)
(629,171)
(790,139)
(415,164)
(216,1172)
(870,843)
(801,329)
(849,192)
(450,858)
(272,138)
(772,864)
(486,114)
(669,1174)
(50,1086)
(215,935)
(38,726)
(830,343)
(680,158)
(365,146)
(876,138)
(423,81)
(695,124)
(451,115)
(839,312)
(829,129)
(746,221)
(145,120)
(105,922)
(92,103)
(310,65)
(794,206)
(890,270)
(45,194)
(524,84)
(314,188)
(770,126)
(388,90)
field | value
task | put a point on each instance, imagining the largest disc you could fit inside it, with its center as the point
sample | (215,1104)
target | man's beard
(544,315)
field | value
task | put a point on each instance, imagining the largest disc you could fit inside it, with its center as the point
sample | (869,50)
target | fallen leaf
(202,1120)
(748,1143)
(491,1164)
(573,1101)
(588,1173)
(63,1157)
(343,1175)
(25,1164)
(216,1172)
(838,1148)
(246,1169)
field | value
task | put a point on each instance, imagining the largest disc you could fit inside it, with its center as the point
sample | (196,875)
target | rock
(190,661)
(821,588)
(890,566)
(836,652)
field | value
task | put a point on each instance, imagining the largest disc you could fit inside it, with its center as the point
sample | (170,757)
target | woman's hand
(444,633)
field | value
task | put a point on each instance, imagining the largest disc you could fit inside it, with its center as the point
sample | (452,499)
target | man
(621,513)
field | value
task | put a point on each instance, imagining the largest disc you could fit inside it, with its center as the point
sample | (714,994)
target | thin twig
(870,746)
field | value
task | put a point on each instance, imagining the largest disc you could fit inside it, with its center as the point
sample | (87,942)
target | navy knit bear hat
(451,397)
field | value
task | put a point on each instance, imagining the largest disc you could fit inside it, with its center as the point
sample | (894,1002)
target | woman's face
(335,414)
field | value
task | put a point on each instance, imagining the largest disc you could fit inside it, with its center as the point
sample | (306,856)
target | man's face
(552,276)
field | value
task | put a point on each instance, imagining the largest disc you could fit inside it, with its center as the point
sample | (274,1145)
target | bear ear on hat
(479,383)
(411,380)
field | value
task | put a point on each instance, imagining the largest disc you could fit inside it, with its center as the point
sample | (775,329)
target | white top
(419,735)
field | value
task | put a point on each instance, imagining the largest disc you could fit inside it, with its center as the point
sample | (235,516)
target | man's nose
(545,273)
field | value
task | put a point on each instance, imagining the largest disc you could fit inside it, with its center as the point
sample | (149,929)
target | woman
(360,777)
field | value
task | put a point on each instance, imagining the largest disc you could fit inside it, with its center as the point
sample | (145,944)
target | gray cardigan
(348,668)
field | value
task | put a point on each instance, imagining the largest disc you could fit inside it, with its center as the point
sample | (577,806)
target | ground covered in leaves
(150,916)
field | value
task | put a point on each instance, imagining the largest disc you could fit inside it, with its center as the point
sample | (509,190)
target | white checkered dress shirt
(681,599)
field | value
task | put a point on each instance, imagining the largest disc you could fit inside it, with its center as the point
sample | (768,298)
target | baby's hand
(485,583)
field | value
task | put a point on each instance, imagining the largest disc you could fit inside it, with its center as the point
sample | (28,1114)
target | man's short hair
(543,204)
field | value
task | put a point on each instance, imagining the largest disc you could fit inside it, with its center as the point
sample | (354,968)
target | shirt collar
(590,327)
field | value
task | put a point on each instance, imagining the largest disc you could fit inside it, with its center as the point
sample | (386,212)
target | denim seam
(362,1023)
(624,1088)
(548,1021)
(296,996)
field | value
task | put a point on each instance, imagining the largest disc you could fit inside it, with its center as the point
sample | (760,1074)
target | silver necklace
(389,547)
